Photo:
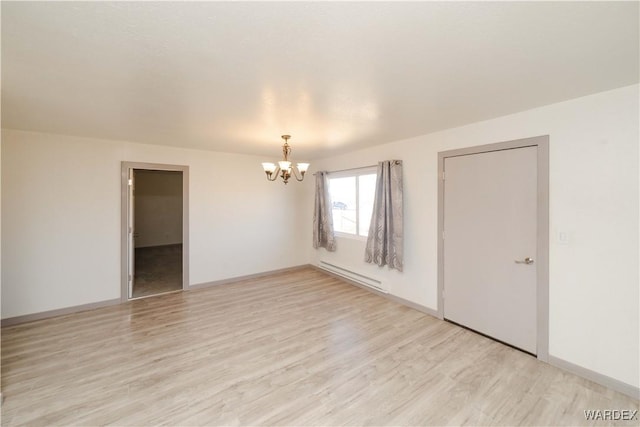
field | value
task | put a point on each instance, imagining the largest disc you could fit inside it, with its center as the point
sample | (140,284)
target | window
(352,196)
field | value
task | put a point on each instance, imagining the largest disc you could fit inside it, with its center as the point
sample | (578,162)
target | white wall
(158,208)
(594,179)
(61,218)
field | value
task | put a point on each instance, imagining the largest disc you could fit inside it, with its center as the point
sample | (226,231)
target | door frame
(542,233)
(124,222)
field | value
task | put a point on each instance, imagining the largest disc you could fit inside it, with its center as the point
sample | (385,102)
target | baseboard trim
(248,276)
(17,320)
(402,301)
(426,310)
(596,377)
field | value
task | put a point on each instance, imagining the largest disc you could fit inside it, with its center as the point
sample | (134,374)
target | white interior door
(490,209)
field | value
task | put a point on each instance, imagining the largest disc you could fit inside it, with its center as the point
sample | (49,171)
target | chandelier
(284,168)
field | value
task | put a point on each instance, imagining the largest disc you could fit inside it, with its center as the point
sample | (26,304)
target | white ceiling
(232,76)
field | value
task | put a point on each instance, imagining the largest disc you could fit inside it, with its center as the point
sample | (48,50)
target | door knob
(527,260)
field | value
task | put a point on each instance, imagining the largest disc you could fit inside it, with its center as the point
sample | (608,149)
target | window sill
(350,236)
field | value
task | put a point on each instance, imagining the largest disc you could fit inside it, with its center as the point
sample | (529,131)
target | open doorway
(155,228)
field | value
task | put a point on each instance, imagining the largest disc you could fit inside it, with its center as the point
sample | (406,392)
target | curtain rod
(351,169)
(360,167)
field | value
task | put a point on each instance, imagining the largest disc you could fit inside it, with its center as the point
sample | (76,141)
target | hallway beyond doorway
(158,270)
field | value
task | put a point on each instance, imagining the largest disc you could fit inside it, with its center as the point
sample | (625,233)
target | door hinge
(130,182)
(130,278)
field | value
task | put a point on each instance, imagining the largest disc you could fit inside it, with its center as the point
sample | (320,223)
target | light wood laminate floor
(298,348)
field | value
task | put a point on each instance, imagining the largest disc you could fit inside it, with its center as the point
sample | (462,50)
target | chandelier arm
(294,169)
(274,174)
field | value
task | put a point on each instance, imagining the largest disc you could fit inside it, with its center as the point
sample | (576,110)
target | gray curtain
(384,244)
(323,236)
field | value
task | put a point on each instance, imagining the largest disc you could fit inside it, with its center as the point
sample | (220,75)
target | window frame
(349,173)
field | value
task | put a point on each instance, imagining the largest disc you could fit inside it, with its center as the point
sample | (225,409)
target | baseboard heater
(352,275)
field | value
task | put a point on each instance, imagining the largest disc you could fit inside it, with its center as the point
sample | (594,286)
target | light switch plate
(563,237)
